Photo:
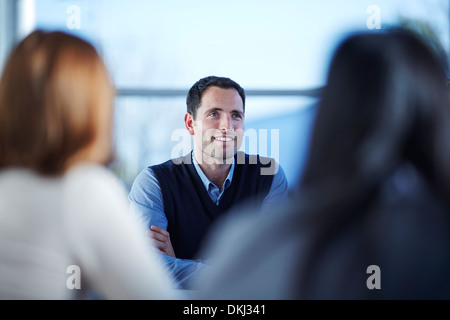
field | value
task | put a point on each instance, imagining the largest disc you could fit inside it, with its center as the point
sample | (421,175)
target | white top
(57,234)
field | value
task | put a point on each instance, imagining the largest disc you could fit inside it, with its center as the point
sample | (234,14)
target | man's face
(218,128)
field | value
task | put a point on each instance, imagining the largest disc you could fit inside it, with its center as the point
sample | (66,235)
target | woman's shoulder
(93,178)
(93,188)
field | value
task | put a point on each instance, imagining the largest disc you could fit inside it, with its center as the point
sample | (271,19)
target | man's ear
(189,123)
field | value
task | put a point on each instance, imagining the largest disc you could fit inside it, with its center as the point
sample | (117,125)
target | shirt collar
(204,178)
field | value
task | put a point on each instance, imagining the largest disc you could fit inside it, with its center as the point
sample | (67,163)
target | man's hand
(161,240)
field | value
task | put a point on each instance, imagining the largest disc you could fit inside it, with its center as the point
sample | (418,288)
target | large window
(277,50)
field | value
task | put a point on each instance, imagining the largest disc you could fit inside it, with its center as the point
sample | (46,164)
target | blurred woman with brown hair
(60,209)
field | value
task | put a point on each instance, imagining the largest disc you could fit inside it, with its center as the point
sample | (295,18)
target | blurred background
(278,51)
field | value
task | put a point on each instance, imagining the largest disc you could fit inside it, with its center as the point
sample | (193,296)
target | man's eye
(213,114)
(237,115)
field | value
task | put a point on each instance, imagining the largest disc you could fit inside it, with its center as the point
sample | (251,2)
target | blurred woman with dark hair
(64,229)
(372,219)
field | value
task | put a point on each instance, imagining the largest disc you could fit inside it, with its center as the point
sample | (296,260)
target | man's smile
(225,138)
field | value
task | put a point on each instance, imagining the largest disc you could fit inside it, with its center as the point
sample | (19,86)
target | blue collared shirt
(214,192)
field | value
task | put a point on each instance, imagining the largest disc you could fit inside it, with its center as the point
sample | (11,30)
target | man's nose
(226,123)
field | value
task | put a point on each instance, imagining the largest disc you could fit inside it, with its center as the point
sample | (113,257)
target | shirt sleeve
(184,271)
(146,203)
(278,191)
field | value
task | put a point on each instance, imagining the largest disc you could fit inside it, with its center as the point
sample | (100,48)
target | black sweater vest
(188,207)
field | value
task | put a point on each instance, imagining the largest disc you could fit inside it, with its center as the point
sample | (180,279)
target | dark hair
(385,104)
(195,94)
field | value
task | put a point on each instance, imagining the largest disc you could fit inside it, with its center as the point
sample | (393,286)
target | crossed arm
(161,240)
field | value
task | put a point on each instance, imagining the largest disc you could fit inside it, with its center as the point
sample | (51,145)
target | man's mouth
(225,138)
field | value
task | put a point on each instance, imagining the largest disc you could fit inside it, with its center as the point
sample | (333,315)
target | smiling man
(180,199)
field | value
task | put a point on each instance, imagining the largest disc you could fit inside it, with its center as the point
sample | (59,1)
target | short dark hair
(195,94)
